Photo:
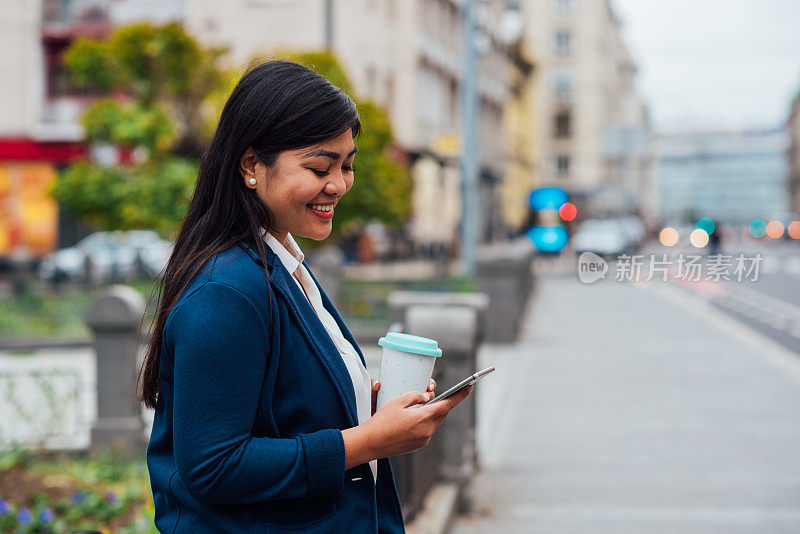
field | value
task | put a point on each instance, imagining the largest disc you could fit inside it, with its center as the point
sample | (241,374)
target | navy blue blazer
(254,395)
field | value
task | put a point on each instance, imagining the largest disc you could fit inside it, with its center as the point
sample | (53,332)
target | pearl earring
(252,181)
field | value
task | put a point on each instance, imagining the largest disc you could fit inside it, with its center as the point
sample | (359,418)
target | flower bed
(56,493)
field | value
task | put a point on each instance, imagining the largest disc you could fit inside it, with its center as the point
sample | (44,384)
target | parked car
(108,256)
(634,230)
(604,237)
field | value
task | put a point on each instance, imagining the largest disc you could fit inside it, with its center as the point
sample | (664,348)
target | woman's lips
(324,215)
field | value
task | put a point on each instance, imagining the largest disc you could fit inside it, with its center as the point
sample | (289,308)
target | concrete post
(504,272)
(114,319)
(400,301)
(455,328)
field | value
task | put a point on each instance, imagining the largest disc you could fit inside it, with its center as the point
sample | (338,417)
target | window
(562,165)
(563,7)
(389,92)
(562,123)
(563,85)
(563,42)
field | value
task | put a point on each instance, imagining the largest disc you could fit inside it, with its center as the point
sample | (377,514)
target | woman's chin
(316,235)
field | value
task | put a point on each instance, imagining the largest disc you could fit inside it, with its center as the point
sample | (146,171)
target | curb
(437,512)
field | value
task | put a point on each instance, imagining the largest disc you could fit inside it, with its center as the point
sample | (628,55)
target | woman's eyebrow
(329,154)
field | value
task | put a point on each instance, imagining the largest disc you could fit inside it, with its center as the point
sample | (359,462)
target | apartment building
(40,111)
(404,55)
(594,129)
(793,129)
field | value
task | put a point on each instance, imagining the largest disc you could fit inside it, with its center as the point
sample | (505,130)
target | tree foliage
(155,65)
(154,195)
(166,94)
(129,125)
(159,80)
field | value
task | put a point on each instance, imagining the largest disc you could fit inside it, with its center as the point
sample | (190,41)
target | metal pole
(329,25)
(469,149)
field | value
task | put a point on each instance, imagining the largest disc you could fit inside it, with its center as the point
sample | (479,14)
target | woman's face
(303,186)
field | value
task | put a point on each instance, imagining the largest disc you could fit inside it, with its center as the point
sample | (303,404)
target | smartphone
(471,379)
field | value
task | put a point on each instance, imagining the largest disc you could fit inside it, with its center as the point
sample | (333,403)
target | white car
(69,263)
(604,237)
(634,229)
(107,256)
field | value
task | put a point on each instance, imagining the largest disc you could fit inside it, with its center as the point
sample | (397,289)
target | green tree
(162,86)
(154,194)
(154,65)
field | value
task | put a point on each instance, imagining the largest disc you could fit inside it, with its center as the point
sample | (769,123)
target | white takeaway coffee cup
(406,365)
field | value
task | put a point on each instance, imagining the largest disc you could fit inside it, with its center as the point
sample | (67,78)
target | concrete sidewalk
(635,409)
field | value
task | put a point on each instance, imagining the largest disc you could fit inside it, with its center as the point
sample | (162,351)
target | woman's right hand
(403,425)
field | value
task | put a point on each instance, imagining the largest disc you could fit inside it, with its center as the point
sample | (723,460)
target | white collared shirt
(292,258)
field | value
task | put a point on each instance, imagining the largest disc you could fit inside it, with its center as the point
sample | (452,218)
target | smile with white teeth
(321,207)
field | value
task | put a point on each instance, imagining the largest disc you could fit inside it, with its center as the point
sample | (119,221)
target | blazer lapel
(313,329)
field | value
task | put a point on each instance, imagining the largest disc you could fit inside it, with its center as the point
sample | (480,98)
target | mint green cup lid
(409,343)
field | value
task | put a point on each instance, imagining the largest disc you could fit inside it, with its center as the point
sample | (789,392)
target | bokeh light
(698,237)
(794,229)
(548,238)
(668,236)
(547,198)
(774,229)
(567,211)
(706,224)
(758,228)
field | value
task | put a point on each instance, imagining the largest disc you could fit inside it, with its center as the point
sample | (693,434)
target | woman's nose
(336,185)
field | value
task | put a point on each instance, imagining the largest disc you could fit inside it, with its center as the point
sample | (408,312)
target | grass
(40,313)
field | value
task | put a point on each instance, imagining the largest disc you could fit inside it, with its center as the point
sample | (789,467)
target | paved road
(768,302)
(636,409)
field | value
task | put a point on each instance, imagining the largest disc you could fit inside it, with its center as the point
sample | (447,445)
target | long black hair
(276,106)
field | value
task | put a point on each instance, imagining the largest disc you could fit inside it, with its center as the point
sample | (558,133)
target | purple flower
(24,516)
(4,507)
(111,497)
(78,497)
(46,515)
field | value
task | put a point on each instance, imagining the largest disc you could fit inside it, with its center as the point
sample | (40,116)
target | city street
(631,408)
(769,304)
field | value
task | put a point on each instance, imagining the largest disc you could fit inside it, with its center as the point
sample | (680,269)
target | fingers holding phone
(442,408)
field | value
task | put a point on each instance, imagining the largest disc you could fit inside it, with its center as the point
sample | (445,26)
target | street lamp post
(469,150)
(329,25)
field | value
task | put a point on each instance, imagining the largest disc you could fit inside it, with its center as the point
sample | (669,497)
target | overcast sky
(714,64)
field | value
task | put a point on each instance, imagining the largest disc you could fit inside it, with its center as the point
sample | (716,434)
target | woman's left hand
(376,385)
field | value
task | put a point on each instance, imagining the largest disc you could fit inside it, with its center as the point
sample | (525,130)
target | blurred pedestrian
(264,411)
(365,248)
(714,241)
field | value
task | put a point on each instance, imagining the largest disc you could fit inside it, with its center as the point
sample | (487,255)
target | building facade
(730,177)
(523,171)
(594,129)
(40,111)
(404,55)
(793,129)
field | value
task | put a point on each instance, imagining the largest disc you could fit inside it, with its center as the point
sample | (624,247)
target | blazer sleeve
(220,346)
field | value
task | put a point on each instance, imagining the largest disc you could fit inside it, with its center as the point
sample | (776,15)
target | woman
(264,414)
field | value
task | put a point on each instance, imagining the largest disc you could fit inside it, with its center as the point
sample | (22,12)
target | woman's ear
(247,164)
